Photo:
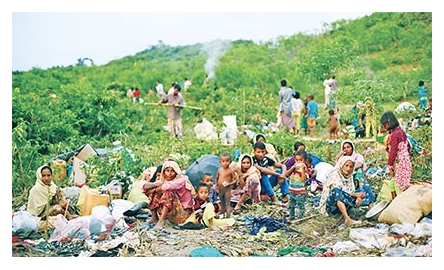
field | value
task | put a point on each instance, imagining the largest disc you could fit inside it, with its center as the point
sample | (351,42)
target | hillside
(381,56)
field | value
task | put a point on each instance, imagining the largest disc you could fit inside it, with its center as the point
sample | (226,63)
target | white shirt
(186,84)
(327,86)
(159,89)
(296,104)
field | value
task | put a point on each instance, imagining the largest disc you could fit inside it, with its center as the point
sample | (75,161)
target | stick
(177,105)
(66,210)
(305,218)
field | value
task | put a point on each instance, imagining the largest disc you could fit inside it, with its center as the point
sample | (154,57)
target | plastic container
(93,198)
(374,212)
(59,170)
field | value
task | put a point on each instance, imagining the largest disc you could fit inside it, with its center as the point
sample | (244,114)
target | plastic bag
(24,220)
(205,130)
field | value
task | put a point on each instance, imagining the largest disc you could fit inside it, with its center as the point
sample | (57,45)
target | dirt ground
(315,232)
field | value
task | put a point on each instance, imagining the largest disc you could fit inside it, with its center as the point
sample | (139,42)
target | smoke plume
(215,50)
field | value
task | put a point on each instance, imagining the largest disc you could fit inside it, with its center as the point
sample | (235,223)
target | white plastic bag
(205,130)
(24,220)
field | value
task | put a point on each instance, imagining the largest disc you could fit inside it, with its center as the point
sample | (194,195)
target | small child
(312,114)
(225,179)
(297,177)
(311,175)
(214,196)
(204,211)
(334,126)
(304,125)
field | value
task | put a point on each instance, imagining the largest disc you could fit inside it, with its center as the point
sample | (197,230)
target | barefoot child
(204,211)
(225,178)
(333,125)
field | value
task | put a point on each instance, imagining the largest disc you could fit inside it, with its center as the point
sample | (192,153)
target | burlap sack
(409,206)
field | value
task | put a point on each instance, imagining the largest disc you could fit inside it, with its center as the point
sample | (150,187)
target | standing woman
(398,163)
(174,200)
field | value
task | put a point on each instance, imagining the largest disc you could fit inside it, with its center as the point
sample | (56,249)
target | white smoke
(215,50)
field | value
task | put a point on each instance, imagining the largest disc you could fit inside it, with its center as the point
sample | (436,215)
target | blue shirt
(313,107)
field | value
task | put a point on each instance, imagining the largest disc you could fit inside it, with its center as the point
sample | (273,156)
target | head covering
(40,193)
(252,169)
(356,157)
(172,164)
(342,160)
(148,171)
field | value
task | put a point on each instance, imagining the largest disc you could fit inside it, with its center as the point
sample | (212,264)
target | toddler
(214,196)
(297,190)
(333,125)
(225,179)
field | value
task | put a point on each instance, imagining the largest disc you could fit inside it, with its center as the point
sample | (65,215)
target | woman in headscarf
(45,198)
(269,148)
(360,182)
(249,183)
(338,193)
(173,198)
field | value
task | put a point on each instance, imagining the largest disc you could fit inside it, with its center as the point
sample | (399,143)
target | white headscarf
(40,194)
(336,178)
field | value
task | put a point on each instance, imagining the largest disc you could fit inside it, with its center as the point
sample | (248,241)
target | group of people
(295,114)
(133,94)
(252,179)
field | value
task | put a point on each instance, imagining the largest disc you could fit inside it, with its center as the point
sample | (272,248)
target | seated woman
(46,193)
(338,193)
(269,148)
(173,196)
(249,183)
(360,182)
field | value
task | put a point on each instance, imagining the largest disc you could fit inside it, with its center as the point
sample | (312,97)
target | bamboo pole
(304,218)
(177,105)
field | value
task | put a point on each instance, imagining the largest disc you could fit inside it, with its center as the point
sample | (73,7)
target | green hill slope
(381,56)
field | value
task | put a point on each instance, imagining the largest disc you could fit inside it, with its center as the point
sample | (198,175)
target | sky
(47,39)
(49,33)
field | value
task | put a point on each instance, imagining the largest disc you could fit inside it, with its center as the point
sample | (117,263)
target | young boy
(214,196)
(334,126)
(270,178)
(225,178)
(204,211)
(298,194)
(312,114)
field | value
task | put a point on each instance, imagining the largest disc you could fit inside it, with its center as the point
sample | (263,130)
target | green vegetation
(54,111)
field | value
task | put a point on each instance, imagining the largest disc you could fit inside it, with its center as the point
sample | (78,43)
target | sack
(136,194)
(409,206)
